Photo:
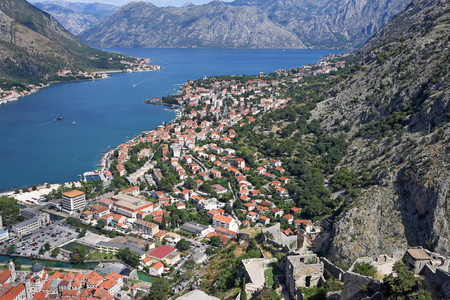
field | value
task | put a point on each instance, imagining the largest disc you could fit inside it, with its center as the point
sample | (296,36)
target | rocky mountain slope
(346,23)
(77,17)
(395,107)
(245,24)
(212,25)
(34,46)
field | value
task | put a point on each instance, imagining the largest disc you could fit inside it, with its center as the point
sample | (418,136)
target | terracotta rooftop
(73,193)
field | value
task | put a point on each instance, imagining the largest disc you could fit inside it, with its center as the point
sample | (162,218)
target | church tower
(12,268)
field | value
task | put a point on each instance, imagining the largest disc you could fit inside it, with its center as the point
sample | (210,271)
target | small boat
(60,117)
(73,123)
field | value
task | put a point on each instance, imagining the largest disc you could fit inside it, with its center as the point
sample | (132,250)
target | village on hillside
(174,197)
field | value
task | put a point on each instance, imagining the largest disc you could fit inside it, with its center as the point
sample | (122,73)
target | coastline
(103,159)
(93,76)
(102,167)
(103,162)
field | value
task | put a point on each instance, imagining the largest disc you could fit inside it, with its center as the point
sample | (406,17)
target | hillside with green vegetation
(34,46)
(395,107)
(368,147)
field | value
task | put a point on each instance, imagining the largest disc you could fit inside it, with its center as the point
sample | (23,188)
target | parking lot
(55,234)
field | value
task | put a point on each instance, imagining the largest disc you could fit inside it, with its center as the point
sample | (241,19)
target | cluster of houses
(38,284)
(15,92)
(183,146)
(326,65)
(140,65)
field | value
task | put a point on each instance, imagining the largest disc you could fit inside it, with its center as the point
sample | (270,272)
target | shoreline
(103,161)
(104,158)
(36,89)
(102,167)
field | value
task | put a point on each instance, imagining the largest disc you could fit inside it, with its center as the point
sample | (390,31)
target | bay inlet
(101,114)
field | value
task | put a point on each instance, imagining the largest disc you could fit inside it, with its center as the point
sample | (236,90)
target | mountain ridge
(76,17)
(291,24)
(213,25)
(34,46)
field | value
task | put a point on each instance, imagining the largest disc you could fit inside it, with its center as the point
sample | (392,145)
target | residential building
(156,269)
(31,225)
(16,292)
(4,235)
(73,201)
(225,222)
(146,227)
(132,191)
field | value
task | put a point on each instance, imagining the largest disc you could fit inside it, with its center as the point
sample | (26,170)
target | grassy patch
(272,271)
(99,256)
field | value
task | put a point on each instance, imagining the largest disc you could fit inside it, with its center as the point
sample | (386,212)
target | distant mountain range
(245,24)
(76,17)
(34,46)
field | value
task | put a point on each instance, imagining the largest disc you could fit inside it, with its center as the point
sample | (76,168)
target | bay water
(37,148)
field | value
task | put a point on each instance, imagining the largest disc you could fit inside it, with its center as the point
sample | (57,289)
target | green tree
(128,257)
(9,210)
(243,291)
(402,285)
(78,254)
(11,249)
(210,251)
(82,233)
(365,268)
(238,204)
(160,289)
(47,246)
(17,264)
(183,245)
(55,252)
(215,241)
(228,208)
(101,224)
(189,264)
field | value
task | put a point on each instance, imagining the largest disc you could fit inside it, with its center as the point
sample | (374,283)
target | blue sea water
(36,148)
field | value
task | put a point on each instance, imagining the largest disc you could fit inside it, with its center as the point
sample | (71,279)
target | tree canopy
(128,257)
(402,285)
(160,289)
(9,210)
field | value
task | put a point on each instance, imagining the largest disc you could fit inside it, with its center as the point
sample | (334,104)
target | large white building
(225,222)
(4,235)
(129,206)
(73,201)
(30,225)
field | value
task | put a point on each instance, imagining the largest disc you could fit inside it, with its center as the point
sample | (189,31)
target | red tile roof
(162,251)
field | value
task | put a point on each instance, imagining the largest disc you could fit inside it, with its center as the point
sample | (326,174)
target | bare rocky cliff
(77,17)
(214,25)
(245,24)
(395,106)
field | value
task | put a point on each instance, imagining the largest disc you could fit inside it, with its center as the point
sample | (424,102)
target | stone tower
(12,268)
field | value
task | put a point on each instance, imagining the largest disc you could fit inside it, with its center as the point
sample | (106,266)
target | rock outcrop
(395,104)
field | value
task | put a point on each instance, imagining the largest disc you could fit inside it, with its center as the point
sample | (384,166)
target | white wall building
(73,201)
(30,225)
